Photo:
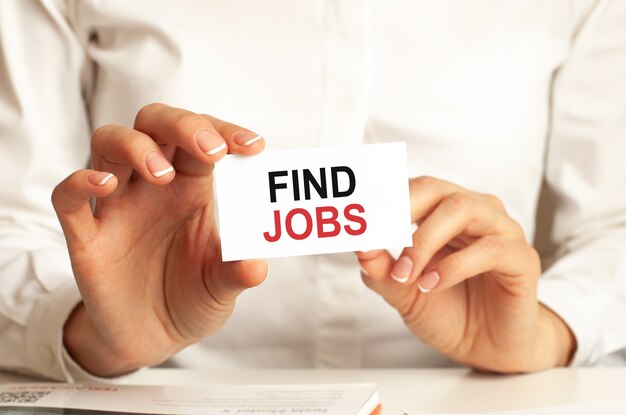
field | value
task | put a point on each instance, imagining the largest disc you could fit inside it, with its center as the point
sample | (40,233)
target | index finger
(427,192)
(181,128)
(205,138)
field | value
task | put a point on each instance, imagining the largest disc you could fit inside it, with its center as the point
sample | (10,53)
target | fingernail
(246,138)
(210,142)
(401,271)
(100,178)
(428,281)
(157,164)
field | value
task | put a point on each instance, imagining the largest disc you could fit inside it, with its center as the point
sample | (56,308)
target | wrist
(85,345)
(555,344)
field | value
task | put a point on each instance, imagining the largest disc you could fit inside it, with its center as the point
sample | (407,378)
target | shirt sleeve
(45,132)
(44,136)
(586,175)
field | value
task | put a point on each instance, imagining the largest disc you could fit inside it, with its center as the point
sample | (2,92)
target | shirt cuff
(44,331)
(44,339)
(569,302)
(76,373)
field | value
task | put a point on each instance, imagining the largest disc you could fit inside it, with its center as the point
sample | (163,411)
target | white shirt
(496,96)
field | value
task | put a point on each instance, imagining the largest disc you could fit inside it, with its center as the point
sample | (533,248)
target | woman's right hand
(147,260)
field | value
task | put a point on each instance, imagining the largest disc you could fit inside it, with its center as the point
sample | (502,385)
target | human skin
(148,265)
(147,261)
(468,284)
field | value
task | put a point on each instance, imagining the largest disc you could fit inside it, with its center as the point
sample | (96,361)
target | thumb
(375,264)
(229,279)
(378,274)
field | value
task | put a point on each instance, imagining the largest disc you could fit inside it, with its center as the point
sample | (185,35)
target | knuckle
(133,146)
(67,186)
(133,137)
(456,265)
(492,246)
(459,201)
(494,201)
(101,133)
(54,197)
(420,243)
(184,121)
(517,229)
(424,182)
(533,257)
(148,109)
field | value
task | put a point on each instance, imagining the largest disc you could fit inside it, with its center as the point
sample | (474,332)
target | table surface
(436,390)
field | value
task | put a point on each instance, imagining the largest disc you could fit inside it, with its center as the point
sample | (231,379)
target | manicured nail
(401,271)
(210,142)
(245,138)
(428,281)
(100,178)
(157,164)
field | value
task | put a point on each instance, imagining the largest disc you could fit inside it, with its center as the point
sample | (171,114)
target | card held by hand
(313,201)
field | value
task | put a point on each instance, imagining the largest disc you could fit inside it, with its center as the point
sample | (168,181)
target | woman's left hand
(468,285)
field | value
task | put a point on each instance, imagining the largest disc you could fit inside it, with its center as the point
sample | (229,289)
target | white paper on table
(380,198)
(52,398)
(605,407)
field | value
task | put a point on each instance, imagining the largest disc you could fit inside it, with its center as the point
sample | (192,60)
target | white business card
(313,201)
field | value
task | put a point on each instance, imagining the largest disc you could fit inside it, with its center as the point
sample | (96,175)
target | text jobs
(325,219)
